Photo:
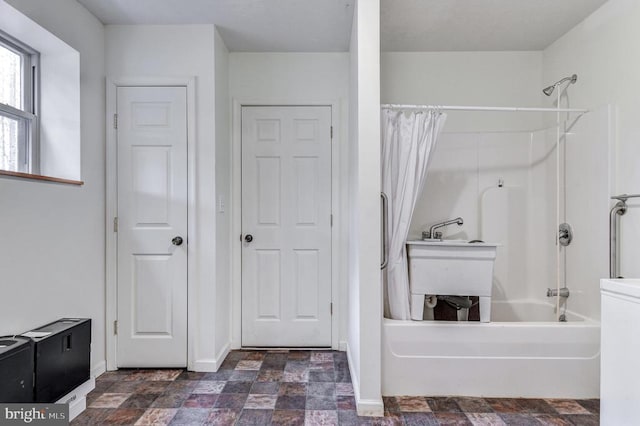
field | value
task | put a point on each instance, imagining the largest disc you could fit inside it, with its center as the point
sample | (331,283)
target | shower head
(549,90)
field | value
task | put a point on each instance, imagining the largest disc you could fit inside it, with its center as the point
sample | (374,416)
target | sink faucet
(438,235)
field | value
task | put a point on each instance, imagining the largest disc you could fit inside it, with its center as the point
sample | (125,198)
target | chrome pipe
(385,215)
(549,90)
(553,292)
(619,209)
(432,230)
(625,197)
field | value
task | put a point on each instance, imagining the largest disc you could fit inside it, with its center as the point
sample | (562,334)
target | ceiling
(245,25)
(476,25)
(325,25)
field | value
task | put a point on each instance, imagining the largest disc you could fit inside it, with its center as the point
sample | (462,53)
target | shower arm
(563,80)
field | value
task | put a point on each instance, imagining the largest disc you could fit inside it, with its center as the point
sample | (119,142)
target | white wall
(365,283)
(476,149)
(602,50)
(466,78)
(300,78)
(353,290)
(587,190)
(52,259)
(58,94)
(183,51)
(223,200)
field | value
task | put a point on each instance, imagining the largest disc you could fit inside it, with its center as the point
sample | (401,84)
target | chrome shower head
(549,90)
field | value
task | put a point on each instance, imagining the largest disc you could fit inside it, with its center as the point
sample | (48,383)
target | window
(18,106)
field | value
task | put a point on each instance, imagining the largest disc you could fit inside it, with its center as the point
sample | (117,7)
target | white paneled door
(286,225)
(152,226)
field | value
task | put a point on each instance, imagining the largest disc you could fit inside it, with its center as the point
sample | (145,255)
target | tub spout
(552,292)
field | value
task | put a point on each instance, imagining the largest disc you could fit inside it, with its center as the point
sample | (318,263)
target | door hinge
(331,308)
(331,219)
(115,327)
(115,224)
(115,121)
(331,132)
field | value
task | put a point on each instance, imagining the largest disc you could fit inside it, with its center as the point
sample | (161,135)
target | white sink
(450,267)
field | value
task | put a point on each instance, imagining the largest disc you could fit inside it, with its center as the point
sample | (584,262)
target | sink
(450,267)
(450,242)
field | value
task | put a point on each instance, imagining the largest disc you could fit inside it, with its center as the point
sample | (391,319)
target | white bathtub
(523,352)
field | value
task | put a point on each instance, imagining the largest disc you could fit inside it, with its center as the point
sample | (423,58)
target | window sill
(40,178)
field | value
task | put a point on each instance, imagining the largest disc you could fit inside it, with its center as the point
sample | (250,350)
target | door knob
(248,238)
(177,241)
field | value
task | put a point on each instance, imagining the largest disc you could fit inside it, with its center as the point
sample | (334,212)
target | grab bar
(625,197)
(385,213)
(619,209)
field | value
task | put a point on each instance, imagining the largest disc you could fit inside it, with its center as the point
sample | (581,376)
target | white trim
(481,108)
(112,207)
(370,407)
(77,398)
(212,365)
(364,407)
(337,251)
(99,369)
(343,346)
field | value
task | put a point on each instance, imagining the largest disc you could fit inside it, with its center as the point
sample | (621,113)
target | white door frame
(112,206)
(236,211)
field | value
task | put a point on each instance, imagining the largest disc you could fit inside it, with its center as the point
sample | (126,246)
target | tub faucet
(438,235)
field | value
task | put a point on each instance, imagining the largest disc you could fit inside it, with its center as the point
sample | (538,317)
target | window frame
(28,116)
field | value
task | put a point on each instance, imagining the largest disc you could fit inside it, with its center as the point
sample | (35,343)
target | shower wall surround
(498,169)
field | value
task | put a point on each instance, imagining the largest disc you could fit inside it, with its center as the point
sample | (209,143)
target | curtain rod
(481,108)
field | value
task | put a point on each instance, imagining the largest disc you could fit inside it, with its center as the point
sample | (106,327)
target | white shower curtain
(408,143)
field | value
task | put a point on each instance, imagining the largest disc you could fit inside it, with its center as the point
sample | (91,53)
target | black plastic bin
(62,358)
(16,369)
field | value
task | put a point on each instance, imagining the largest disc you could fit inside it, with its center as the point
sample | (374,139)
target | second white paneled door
(286,225)
(152,226)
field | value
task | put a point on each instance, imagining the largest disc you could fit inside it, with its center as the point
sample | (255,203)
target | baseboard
(342,345)
(99,369)
(211,365)
(364,407)
(77,398)
(370,407)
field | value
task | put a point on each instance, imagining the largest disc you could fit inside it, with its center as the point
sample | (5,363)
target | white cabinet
(620,352)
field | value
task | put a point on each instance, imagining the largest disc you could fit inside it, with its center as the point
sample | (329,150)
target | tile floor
(297,388)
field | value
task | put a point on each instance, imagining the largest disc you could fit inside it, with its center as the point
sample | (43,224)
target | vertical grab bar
(619,209)
(385,214)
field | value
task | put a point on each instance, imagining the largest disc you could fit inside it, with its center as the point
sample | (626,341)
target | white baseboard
(370,407)
(77,398)
(342,345)
(99,369)
(211,365)
(364,407)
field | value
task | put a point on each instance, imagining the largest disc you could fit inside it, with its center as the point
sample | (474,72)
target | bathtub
(523,352)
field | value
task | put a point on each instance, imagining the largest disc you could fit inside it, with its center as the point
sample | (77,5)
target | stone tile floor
(297,388)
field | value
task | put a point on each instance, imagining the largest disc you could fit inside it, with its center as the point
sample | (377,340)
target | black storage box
(16,369)
(62,358)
